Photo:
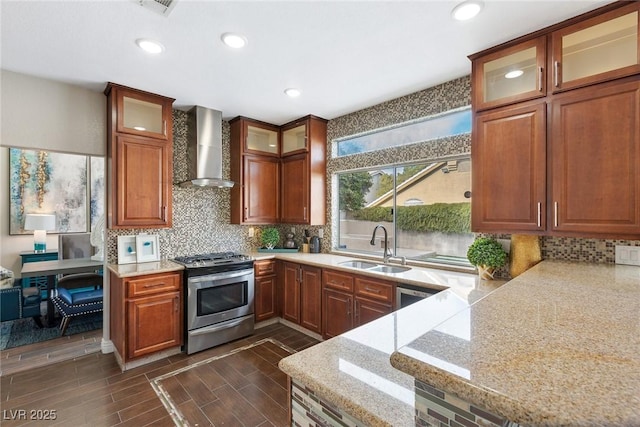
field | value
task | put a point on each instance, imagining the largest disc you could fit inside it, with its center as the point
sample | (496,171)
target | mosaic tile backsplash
(201,215)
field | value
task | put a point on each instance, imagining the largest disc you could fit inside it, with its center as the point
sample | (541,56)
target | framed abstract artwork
(70,186)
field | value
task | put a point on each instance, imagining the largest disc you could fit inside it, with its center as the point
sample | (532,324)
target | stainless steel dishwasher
(408,294)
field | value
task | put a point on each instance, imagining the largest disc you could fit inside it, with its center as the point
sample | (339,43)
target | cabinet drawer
(157,283)
(374,289)
(264,268)
(336,280)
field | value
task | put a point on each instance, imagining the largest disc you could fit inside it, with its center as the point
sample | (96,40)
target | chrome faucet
(387,252)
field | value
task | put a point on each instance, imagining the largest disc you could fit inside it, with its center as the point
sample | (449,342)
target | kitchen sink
(364,265)
(371,266)
(389,268)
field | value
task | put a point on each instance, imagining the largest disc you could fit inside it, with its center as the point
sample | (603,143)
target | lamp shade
(40,222)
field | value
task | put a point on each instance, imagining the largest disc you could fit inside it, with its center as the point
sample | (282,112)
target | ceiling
(342,55)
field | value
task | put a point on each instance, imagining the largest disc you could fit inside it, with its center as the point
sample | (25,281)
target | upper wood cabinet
(255,199)
(260,138)
(595,166)
(568,163)
(142,114)
(140,153)
(598,49)
(294,137)
(510,75)
(303,188)
(509,169)
(276,188)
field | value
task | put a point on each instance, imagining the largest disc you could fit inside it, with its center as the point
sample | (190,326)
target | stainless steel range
(219,297)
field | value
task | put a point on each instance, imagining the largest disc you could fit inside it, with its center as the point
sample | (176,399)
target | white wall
(42,114)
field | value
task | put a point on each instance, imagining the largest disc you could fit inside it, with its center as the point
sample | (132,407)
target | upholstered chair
(18,303)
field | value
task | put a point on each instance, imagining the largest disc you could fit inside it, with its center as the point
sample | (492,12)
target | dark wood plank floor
(27,357)
(245,389)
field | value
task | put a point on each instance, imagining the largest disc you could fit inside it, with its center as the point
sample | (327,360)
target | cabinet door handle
(539,214)
(304,214)
(176,306)
(368,289)
(556,73)
(356,314)
(540,77)
(300,274)
(555,214)
(164,127)
(349,307)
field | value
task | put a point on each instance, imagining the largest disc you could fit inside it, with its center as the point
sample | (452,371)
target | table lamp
(40,223)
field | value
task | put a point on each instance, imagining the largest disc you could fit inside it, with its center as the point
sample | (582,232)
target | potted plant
(486,254)
(270,237)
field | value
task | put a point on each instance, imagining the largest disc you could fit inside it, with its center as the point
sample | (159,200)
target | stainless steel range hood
(204,149)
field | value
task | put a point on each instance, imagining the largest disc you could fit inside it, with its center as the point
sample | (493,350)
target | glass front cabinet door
(143,114)
(510,75)
(294,138)
(598,49)
(261,139)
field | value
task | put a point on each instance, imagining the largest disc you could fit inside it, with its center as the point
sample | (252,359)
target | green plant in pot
(270,237)
(486,254)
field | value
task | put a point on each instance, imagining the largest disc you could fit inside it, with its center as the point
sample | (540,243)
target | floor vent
(161,7)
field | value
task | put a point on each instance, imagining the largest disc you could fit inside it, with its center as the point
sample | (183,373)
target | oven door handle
(216,327)
(219,276)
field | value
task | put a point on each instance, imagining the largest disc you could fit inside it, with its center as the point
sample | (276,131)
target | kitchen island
(558,345)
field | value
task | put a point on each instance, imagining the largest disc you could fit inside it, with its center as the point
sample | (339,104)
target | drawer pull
(368,289)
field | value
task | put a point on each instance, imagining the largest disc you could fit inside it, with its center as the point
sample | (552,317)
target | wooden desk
(53,268)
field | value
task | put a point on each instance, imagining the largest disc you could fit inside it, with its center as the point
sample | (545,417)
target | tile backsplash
(201,215)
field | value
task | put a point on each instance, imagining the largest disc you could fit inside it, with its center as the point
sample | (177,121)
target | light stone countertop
(353,371)
(461,283)
(140,269)
(558,345)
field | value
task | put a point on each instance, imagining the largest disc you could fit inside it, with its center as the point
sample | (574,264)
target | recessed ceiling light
(466,10)
(513,74)
(235,41)
(150,46)
(292,92)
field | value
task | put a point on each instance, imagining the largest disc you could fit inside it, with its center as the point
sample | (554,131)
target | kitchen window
(449,123)
(425,207)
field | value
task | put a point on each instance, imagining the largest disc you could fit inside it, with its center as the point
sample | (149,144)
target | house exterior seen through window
(425,208)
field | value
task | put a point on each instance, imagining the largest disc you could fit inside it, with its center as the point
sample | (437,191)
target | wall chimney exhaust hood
(204,149)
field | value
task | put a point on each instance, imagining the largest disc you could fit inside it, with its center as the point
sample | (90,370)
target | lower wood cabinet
(146,313)
(350,301)
(302,294)
(266,295)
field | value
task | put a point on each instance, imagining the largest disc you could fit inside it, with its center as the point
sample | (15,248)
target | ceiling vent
(161,7)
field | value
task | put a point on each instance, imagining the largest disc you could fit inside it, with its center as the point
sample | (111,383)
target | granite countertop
(353,370)
(558,345)
(140,269)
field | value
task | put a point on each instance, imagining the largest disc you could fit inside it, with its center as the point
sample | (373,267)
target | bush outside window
(425,208)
